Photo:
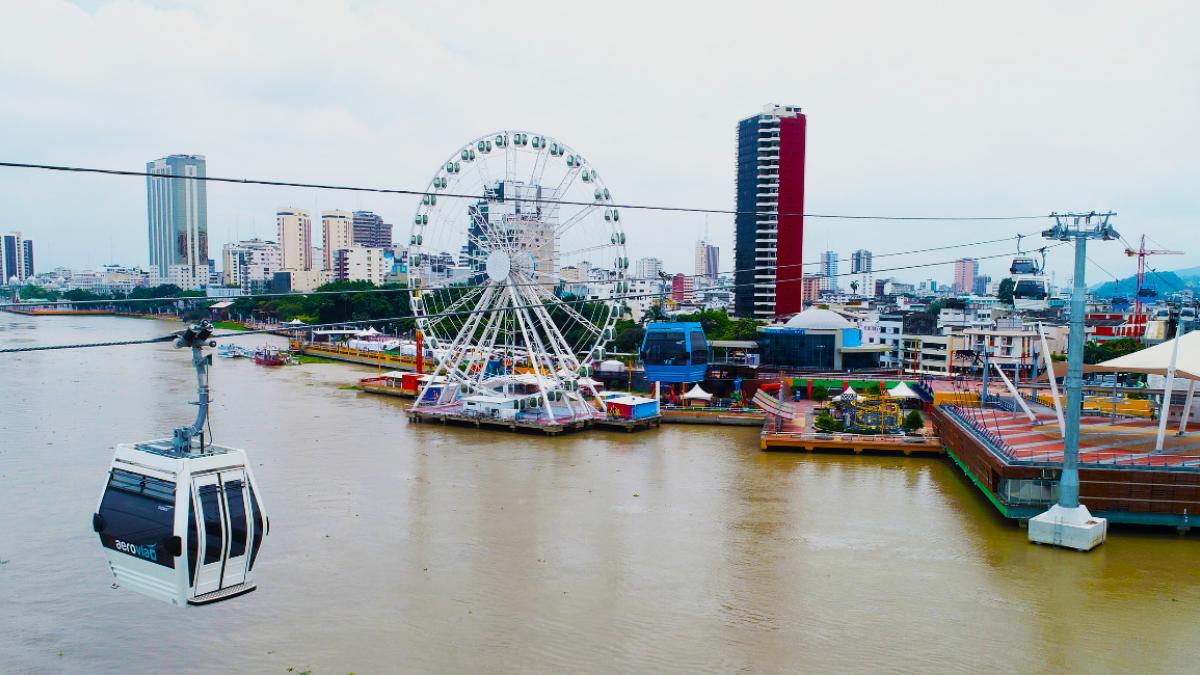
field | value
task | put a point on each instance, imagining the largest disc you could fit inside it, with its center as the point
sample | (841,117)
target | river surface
(398,548)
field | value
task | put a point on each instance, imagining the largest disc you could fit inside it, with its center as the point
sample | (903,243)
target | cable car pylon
(181,519)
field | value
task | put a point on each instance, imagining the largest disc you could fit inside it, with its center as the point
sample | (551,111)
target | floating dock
(482,421)
(360,356)
(745,417)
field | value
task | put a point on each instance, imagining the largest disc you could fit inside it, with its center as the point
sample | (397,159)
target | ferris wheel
(516,292)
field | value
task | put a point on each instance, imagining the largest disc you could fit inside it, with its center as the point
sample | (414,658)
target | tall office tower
(708,257)
(829,271)
(338,230)
(965,270)
(769,237)
(16,258)
(860,264)
(177,208)
(295,239)
(370,230)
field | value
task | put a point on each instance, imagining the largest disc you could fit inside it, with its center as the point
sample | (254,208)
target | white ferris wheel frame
(507,296)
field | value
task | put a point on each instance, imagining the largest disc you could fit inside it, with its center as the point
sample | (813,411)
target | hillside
(1165,282)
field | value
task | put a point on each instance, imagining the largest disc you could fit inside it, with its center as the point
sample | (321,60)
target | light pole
(1068,523)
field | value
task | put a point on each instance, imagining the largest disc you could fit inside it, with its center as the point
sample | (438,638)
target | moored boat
(270,356)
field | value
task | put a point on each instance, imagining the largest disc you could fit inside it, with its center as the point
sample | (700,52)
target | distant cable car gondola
(1119,304)
(675,352)
(1147,295)
(182,520)
(1031,288)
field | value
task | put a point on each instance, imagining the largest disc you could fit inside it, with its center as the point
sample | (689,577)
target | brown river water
(398,548)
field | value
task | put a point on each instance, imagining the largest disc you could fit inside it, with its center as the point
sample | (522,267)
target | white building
(295,239)
(337,228)
(360,263)
(708,259)
(251,263)
(647,268)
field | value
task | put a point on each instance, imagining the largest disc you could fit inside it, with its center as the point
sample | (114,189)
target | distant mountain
(1165,282)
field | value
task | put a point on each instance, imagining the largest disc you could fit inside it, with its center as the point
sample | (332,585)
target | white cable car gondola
(182,520)
(1031,288)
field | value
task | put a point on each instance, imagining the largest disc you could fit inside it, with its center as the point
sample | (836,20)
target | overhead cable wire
(456,195)
(466,312)
(543,284)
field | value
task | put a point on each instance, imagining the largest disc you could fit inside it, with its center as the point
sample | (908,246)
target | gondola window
(138,516)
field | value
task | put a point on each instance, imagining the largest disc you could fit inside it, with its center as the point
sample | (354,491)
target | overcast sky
(941,108)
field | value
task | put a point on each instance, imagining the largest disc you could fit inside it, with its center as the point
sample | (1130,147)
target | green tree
(827,423)
(1006,290)
(820,392)
(629,337)
(913,422)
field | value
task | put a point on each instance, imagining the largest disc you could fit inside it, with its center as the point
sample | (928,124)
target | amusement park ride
(498,282)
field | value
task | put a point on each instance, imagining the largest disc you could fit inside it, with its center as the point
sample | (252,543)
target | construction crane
(1141,254)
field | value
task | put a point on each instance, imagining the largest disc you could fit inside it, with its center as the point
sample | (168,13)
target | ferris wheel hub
(499,265)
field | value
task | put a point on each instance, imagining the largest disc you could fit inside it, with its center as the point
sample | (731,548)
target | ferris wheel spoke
(575,219)
(574,314)
(586,249)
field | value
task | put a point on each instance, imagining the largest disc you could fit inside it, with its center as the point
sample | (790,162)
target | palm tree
(854,286)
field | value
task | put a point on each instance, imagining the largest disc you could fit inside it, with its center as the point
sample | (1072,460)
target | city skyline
(941,142)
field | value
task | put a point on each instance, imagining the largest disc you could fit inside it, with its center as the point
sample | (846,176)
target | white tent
(1176,358)
(697,394)
(902,390)
(848,395)
(295,322)
(1156,360)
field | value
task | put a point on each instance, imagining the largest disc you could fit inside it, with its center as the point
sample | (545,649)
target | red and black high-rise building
(769,237)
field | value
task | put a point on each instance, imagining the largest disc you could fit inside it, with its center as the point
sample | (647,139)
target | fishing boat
(270,356)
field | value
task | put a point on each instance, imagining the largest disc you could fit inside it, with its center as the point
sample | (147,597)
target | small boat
(232,352)
(270,356)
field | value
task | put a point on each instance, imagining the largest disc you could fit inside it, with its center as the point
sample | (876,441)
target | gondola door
(222,530)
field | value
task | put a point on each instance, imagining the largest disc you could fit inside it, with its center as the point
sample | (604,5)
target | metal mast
(1078,234)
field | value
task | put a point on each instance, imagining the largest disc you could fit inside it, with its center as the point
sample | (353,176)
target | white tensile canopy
(295,322)
(1179,357)
(1156,360)
(848,395)
(697,394)
(902,390)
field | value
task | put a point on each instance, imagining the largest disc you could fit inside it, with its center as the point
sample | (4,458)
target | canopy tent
(1156,360)
(848,395)
(1179,357)
(697,394)
(295,322)
(902,390)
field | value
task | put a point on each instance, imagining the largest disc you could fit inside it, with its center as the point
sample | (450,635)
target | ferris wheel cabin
(675,352)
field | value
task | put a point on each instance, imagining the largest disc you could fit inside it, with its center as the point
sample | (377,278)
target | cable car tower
(1145,294)
(181,519)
